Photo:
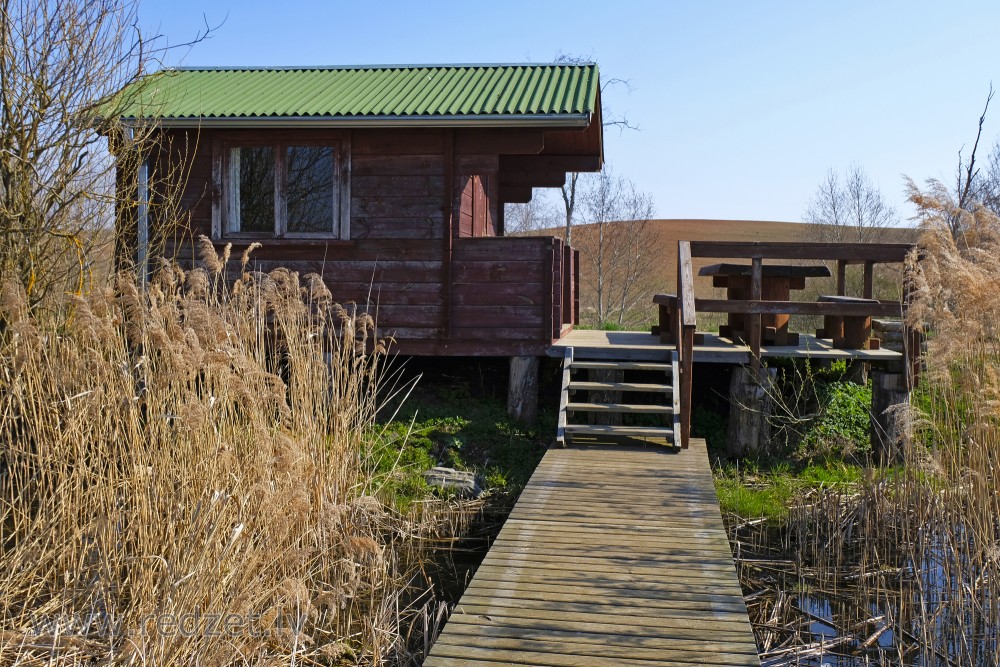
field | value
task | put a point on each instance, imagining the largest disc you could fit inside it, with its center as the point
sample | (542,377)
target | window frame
(224,213)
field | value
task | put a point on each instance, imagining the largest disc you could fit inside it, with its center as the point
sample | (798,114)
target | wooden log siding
(508,295)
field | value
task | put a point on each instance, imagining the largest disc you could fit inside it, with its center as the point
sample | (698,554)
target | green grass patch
(754,492)
(446,425)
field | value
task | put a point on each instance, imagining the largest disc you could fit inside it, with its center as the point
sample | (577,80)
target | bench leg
(833,327)
(857,331)
(667,324)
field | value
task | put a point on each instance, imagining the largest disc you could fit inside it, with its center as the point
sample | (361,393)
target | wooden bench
(667,307)
(848,332)
(667,327)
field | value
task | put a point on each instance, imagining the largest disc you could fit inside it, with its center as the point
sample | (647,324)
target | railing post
(548,267)
(687,321)
(568,286)
(576,286)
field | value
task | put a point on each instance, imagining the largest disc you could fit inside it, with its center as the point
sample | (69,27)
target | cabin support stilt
(751,392)
(609,396)
(522,389)
(888,391)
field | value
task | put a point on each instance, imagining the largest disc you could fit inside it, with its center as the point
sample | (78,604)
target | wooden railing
(512,295)
(562,284)
(686,306)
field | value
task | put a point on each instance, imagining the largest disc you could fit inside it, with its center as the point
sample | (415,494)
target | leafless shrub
(62,65)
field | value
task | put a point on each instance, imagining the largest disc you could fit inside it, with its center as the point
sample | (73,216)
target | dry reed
(183,479)
(904,568)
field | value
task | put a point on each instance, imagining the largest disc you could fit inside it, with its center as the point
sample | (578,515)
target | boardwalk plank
(475,655)
(575,647)
(628,633)
(463,624)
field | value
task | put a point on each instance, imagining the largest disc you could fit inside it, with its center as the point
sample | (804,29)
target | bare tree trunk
(569,202)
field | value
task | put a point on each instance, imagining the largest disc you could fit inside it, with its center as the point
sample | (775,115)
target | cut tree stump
(749,411)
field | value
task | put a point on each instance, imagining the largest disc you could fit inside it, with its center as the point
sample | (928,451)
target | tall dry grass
(904,568)
(183,478)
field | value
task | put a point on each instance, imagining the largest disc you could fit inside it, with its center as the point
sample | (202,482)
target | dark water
(850,610)
(445,571)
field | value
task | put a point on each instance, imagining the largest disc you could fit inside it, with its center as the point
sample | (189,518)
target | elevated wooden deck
(612,555)
(642,346)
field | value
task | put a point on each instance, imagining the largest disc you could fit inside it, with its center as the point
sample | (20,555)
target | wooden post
(548,305)
(869,279)
(841,278)
(912,339)
(576,286)
(686,324)
(750,398)
(754,320)
(888,391)
(568,286)
(686,382)
(522,389)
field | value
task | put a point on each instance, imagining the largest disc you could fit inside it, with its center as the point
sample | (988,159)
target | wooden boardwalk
(612,555)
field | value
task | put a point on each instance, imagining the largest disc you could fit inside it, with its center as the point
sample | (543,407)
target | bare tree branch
(609,120)
(849,209)
(966,190)
(617,249)
(62,65)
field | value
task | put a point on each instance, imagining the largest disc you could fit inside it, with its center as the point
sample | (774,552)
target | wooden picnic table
(777,282)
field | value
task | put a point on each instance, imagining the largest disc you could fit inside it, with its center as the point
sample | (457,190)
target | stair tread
(623,365)
(655,431)
(620,386)
(620,407)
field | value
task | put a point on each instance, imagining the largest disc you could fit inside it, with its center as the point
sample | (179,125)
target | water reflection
(846,598)
(310,189)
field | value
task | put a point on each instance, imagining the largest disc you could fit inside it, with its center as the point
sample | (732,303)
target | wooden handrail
(686,323)
(850,253)
(760,307)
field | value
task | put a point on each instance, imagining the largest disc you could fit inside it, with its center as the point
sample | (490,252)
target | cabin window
(285,190)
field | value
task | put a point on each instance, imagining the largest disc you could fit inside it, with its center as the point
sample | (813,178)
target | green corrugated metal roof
(398,92)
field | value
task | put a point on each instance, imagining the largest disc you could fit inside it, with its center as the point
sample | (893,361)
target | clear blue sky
(743,106)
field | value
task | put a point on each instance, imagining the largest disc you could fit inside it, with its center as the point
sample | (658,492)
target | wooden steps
(619,407)
(654,432)
(618,398)
(624,365)
(620,386)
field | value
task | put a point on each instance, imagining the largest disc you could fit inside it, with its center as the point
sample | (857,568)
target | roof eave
(562,120)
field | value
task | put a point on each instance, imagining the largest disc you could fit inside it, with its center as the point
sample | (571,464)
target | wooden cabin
(388,181)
